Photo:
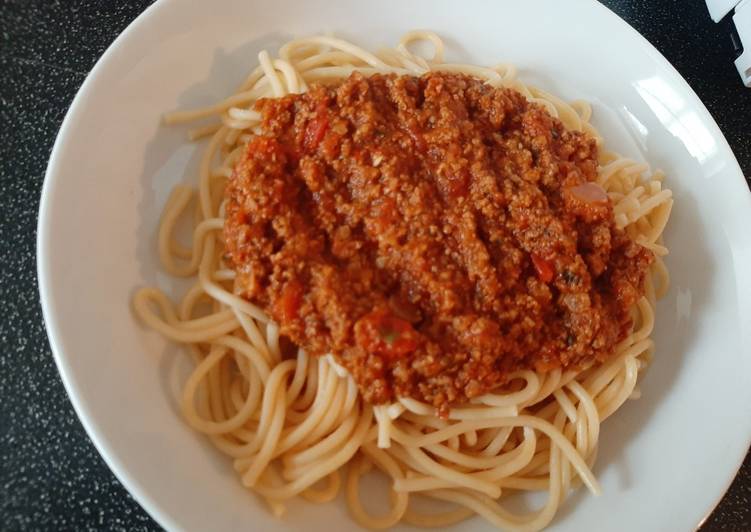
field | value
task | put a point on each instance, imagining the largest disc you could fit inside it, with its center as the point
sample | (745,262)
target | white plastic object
(742,21)
(719,8)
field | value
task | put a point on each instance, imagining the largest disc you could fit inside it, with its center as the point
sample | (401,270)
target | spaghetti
(292,424)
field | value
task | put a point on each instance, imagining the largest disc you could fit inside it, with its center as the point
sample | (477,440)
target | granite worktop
(51,476)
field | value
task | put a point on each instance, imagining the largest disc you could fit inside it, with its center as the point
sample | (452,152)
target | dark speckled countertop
(51,477)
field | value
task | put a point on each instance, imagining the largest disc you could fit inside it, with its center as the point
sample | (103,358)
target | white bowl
(664,461)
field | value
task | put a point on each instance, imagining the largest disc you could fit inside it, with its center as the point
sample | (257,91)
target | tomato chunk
(316,128)
(382,333)
(544,269)
(314,133)
(288,305)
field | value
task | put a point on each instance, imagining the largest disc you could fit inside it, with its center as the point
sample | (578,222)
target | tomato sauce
(433,233)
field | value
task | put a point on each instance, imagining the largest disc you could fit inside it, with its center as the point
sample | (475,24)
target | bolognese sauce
(434,234)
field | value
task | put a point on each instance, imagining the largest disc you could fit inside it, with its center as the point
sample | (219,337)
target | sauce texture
(435,234)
